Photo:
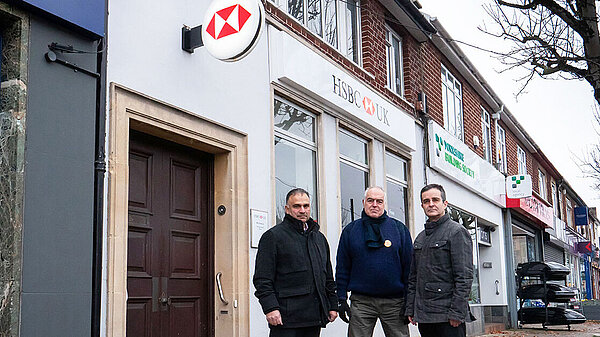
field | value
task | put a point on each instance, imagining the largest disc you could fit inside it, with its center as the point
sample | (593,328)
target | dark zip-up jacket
(293,274)
(441,273)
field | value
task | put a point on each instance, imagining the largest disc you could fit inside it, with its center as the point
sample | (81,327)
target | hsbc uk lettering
(346,92)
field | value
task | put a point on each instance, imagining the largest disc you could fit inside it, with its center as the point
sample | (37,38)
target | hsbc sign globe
(231,28)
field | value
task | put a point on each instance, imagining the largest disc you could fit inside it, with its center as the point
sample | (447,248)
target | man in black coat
(293,275)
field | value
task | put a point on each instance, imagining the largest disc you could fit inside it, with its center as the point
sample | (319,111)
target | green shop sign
(453,156)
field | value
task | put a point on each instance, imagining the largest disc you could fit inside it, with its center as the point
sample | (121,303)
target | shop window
(354,174)
(295,154)
(452,101)
(521,161)
(486,132)
(542,184)
(335,21)
(500,149)
(396,187)
(469,221)
(395,81)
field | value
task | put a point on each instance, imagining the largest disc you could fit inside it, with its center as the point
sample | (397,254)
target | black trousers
(442,330)
(311,331)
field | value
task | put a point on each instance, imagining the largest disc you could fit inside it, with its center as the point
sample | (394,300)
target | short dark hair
(434,186)
(295,191)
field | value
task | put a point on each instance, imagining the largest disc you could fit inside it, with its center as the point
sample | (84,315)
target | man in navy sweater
(373,263)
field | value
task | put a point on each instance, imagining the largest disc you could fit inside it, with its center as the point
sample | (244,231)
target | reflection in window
(394,63)
(295,155)
(354,174)
(293,120)
(396,187)
(352,30)
(469,221)
(319,14)
(314,22)
(487,135)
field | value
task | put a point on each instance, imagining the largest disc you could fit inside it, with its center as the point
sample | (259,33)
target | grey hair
(372,188)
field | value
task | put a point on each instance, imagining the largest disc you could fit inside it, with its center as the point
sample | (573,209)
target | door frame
(133,110)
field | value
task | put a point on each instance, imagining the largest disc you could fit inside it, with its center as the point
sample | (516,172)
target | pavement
(587,329)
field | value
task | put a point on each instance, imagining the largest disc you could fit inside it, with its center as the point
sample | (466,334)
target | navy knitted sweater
(376,272)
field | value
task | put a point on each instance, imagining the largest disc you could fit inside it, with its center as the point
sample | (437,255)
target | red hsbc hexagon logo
(369,106)
(232,27)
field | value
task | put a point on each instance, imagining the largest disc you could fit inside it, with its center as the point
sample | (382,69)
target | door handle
(220,288)
(164,300)
(497,287)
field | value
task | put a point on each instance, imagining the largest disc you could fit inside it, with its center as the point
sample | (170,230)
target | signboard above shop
(87,14)
(453,158)
(534,208)
(581,216)
(340,93)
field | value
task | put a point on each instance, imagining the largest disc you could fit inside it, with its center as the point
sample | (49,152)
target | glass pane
(395,166)
(352,147)
(353,185)
(469,222)
(459,118)
(295,166)
(313,21)
(397,84)
(351,15)
(397,201)
(296,9)
(330,23)
(295,121)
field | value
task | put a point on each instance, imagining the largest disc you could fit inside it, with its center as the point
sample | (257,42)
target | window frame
(555,198)
(392,179)
(393,74)
(343,159)
(501,148)
(542,188)
(300,142)
(486,125)
(457,116)
(343,39)
(521,164)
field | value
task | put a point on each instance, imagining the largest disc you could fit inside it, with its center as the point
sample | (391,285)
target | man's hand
(344,311)
(454,322)
(274,318)
(412,321)
(333,315)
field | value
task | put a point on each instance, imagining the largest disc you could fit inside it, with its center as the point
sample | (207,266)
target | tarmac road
(588,329)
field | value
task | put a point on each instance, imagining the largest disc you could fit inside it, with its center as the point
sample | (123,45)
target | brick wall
(373,48)
(422,64)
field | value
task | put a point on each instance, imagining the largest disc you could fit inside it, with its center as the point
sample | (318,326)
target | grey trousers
(365,311)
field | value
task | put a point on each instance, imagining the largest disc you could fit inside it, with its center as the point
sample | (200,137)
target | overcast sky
(557,114)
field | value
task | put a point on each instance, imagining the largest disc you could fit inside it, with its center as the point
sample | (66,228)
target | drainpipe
(99,171)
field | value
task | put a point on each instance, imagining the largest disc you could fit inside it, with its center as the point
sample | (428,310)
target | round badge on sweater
(387,243)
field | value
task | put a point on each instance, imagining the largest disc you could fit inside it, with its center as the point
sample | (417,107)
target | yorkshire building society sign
(231,28)
(453,158)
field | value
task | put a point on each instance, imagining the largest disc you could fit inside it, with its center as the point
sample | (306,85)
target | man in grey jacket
(441,273)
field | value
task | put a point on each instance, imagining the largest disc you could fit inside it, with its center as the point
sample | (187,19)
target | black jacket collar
(299,225)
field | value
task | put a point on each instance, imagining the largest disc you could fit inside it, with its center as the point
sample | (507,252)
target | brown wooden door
(170,240)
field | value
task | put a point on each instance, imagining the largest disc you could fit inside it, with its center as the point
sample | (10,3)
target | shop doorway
(170,239)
